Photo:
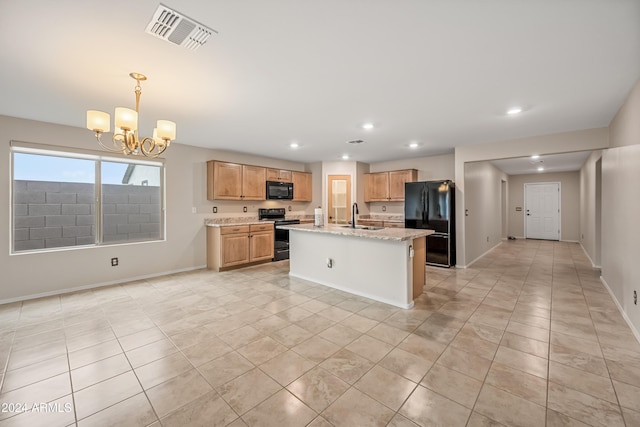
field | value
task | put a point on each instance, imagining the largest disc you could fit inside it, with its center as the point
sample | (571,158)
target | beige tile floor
(526,337)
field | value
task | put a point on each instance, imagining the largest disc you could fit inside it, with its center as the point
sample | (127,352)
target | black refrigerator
(431,205)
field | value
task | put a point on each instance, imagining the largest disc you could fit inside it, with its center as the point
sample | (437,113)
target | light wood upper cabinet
(397,180)
(387,186)
(376,187)
(279,175)
(302,186)
(254,180)
(224,181)
(233,181)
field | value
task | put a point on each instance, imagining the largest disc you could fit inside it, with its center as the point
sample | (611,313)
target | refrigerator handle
(426,210)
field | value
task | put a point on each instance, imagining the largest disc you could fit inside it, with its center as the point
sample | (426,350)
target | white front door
(542,211)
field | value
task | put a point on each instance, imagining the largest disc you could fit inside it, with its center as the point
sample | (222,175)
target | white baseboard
(98,285)
(471,263)
(593,264)
(624,315)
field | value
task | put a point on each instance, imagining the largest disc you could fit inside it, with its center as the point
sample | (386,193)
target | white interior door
(542,211)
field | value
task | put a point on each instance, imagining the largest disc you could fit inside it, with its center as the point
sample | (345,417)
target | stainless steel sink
(363,227)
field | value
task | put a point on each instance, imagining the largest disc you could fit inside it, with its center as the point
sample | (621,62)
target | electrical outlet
(114,262)
(244,209)
(384,208)
(289,208)
(193,210)
(215,209)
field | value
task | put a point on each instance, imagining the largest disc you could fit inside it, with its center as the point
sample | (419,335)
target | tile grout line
(501,338)
(615,391)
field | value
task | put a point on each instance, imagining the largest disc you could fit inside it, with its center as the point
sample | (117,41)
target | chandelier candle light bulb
(125,137)
(126,119)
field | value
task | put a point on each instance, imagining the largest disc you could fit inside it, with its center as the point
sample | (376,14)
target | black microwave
(279,190)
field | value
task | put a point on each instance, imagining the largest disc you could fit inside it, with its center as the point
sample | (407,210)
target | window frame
(98,157)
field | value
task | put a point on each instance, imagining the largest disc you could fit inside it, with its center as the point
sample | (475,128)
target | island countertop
(398,234)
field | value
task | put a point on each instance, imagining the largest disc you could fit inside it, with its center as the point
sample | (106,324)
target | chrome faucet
(354,212)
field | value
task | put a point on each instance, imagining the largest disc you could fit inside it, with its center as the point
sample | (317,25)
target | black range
(281,239)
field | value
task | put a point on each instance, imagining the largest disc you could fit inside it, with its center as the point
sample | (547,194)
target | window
(131,209)
(63,199)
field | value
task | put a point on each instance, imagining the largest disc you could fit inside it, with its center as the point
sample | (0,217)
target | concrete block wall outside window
(60,214)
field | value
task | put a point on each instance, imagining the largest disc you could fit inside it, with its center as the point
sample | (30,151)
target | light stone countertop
(398,234)
(236,223)
(247,220)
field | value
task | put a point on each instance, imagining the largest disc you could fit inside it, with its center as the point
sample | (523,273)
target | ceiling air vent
(355,141)
(173,26)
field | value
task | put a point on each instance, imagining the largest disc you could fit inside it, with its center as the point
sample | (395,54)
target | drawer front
(234,229)
(394,224)
(261,227)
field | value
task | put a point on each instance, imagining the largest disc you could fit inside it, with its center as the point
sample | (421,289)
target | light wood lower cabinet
(261,246)
(390,224)
(235,246)
(380,223)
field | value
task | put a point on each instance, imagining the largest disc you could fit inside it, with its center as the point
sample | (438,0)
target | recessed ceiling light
(513,111)
(535,156)
(540,169)
(367,126)
(345,157)
(294,145)
(414,145)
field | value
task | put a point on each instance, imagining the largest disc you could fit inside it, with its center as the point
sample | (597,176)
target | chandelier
(125,138)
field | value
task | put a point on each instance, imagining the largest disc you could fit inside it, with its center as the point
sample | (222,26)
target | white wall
(60,270)
(624,129)
(590,139)
(569,202)
(589,222)
(483,201)
(432,168)
(620,207)
(621,227)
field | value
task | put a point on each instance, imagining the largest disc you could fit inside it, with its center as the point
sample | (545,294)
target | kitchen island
(385,264)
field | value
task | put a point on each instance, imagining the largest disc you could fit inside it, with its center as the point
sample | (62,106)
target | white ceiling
(565,162)
(441,73)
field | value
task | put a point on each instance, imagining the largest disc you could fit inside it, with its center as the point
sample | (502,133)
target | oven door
(281,245)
